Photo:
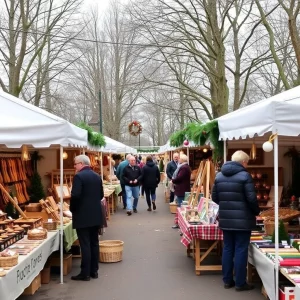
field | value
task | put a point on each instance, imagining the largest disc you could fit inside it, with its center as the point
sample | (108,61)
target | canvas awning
(23,123)
(279,113)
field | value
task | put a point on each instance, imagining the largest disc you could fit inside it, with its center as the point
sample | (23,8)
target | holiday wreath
(135,128)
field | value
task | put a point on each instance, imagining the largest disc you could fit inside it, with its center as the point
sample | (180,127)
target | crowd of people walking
(140,176)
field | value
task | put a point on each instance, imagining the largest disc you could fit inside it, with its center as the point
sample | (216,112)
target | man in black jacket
(132,176)
(85,205)
(171,167)
(234,191)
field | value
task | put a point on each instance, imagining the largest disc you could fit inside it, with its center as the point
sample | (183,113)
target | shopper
(150,180)
(182,179)
(85,205)
(119,175)
(132,176)
(234,191)
(171,167)
(141,165)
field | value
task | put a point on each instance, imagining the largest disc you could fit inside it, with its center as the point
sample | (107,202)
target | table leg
(108,208)
(111,197)
(197,256)
(249,272)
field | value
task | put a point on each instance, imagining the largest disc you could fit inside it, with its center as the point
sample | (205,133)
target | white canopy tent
(24,124)
(113,146)
(276,115)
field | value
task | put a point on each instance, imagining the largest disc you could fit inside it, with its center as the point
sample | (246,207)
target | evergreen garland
(199,134)
(94,138)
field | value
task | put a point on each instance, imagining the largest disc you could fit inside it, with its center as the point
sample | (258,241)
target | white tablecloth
(265,269)
(20,277)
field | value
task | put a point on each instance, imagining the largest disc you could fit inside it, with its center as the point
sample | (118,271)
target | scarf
(177,170)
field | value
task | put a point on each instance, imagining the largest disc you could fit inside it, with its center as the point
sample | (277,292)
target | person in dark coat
(87,217)
(182,179)
(132,176)
(234,191)
(150,180)
(119,174)
(171,167)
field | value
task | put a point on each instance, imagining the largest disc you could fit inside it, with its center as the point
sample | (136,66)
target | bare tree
(110,65)
(34,38)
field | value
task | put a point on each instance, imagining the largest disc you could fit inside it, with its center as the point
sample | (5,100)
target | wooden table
(109,195)
(203,238)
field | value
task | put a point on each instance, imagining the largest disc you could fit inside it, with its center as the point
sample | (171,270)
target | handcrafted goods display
(14,172)
(31,223)
(37,234)
(204,237)
(8,258)
(111,251)
(284,214)
(50,225)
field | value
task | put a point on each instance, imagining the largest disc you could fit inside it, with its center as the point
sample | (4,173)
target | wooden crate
(67,263)
(34,286)
(45,274)
(34,223)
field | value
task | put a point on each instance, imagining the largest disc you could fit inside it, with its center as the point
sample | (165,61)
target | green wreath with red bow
(135,128)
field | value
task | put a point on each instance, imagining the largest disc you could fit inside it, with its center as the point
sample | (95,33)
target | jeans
(179,200)
(132,191)
(235,255)
(123,194)
(150,191)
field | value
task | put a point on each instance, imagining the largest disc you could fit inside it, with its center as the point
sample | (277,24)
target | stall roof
(23,123)
(279,113)
(113,146)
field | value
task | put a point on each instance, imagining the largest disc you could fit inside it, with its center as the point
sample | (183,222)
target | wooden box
(41,214)
(34,223)
(45,274)
(34,286)
(67,263)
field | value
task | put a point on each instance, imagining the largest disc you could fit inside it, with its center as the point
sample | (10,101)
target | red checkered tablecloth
(202,232)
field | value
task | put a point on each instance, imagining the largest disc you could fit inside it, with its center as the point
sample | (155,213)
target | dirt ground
(154,266)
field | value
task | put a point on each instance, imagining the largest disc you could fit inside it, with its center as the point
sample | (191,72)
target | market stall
(19,277)
(276,120)
(208,237)
(22,124)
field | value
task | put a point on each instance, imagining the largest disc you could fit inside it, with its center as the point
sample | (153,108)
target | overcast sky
(101,4)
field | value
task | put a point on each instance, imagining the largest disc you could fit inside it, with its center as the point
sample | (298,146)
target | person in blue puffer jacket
(234,191)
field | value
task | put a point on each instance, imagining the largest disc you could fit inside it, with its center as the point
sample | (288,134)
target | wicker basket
(173,208)
(284,214)
(50,225)
(270,226)
(37,236)
(111,251)
(9,261)
(33,207)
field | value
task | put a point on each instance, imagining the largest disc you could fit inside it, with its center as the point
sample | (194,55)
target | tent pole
(225,151)
(61,228)
(110,176)
(276,215)
(101,166)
